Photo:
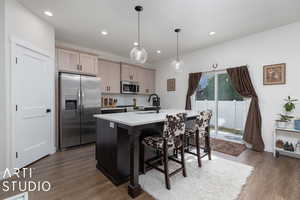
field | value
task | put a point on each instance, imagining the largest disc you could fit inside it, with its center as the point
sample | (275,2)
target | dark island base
(116,180)
(134,191)
(113,150)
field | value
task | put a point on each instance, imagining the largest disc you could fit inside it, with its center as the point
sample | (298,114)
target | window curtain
(241,81)
(194,79)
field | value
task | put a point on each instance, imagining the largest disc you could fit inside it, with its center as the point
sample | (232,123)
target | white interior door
(32,81)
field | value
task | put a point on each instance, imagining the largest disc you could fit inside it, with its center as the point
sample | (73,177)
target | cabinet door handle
(80,67)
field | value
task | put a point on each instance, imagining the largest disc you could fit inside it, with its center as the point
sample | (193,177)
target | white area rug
(217,179)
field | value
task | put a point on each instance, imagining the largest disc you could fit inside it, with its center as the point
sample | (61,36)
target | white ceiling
(81,21)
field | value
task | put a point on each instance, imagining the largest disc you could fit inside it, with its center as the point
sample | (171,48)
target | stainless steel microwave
(128,87)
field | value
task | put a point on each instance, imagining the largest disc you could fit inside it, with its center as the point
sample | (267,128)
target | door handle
(48,110)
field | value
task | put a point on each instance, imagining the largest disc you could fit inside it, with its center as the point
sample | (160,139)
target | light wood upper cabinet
(109,72)
(76,62)
(129,73)
(88,63)
(146,81)
(151,81)
(68,60)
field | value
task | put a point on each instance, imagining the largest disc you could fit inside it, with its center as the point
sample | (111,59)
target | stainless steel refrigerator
(80,98)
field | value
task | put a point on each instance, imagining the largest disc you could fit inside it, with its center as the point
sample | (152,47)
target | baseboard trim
(53,150)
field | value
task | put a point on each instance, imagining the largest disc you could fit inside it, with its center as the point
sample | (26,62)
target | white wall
(280,45)
(22,24)
(2,89)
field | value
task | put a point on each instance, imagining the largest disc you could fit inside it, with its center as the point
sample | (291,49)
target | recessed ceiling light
(104,32)
(212,33)
(158,51)
(48,13)
(135,43)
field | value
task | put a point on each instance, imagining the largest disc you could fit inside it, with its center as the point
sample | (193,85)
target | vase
(281,124)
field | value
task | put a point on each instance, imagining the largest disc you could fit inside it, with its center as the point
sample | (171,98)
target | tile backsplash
(126,99)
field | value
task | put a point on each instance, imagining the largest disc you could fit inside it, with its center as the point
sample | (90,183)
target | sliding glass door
(205,98)
(216,93)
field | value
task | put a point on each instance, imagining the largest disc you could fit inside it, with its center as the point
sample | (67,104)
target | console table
(286,134)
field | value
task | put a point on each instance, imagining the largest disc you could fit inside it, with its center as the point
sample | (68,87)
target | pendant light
(178,63)
(138,54)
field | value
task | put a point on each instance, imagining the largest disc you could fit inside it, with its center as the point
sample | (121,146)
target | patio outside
(232,108)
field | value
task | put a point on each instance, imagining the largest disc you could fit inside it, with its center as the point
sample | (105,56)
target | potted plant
(288,107)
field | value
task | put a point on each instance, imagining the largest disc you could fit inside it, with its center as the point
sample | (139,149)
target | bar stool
(201,128)
(173,138)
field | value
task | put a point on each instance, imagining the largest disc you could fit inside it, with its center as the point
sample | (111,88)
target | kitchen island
(118,143)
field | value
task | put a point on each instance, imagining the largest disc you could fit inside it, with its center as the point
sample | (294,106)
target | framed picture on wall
(275,74)
(171,84)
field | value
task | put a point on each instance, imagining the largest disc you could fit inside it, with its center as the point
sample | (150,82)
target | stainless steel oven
(128,87)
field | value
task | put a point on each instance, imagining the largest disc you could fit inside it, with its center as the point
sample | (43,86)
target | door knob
(48,110)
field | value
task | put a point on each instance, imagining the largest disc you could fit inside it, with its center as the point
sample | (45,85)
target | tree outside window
(226,92)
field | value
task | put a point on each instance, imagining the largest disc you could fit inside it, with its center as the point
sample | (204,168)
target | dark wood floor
(73,175)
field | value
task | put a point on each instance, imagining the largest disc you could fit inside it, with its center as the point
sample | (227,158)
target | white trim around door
(14,44)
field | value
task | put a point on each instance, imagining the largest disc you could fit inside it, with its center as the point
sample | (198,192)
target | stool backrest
(203,121)
(174,126)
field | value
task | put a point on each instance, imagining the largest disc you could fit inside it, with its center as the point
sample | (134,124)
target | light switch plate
(111,125)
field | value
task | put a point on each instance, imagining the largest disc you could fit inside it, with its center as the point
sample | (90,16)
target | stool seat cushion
(157,142)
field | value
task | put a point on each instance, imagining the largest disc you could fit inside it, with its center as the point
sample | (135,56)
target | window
(226,92)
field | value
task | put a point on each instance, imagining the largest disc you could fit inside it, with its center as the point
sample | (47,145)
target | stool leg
(207,143)
(198,149)
(189,143)
(175,153)
(166,166)
(182,159)
(143,158)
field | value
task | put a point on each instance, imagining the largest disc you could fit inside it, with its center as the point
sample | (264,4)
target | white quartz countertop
(142,117)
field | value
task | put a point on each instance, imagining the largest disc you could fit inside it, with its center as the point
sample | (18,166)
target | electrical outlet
(111,125)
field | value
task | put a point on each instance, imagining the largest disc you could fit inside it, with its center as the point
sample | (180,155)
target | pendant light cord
(139,30)
(177,48)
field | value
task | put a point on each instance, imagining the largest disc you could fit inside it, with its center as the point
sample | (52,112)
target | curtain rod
(215,66)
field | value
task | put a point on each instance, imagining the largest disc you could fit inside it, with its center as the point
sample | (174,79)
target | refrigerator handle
(79,98)
(82,102)
(82,94)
